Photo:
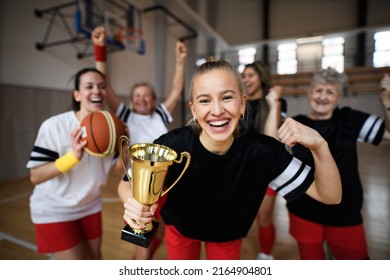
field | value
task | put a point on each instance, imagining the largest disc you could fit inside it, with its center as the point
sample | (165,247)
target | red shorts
(56,237)
(345,242)
(271,192)
(160,203)
(180,247)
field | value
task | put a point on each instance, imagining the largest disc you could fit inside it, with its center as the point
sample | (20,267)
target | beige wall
(22,111)
(240,21)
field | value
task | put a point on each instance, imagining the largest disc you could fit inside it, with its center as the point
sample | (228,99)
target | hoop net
(127,35)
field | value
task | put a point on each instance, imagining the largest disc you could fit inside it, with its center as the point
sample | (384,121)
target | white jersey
(145,128)
(71,195)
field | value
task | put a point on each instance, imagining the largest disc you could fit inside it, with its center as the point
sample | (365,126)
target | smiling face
(217,104)
(252,83)
(326,90)
(91,93)
(143,99)
(323,99)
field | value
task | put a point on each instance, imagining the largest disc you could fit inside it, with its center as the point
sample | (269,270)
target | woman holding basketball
(66,203)
(218,197)
(146,121)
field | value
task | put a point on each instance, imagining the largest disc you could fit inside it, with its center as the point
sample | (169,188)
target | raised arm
(385,100)
(274,118)
(178,78)
(326,187)
(100,48)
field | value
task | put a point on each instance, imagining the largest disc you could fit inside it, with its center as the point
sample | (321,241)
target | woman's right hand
(385,91)
(292,132)
(77,145)
(273,96)
(99,36)
(137,215)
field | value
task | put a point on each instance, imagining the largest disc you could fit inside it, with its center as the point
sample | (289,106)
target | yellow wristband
(66,162)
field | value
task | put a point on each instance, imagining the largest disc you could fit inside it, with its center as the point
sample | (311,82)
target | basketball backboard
(122,21)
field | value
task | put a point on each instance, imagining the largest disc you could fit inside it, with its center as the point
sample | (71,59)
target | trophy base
(140,239)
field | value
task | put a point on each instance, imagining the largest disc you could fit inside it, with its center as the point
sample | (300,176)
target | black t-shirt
(218,196)
(342,131)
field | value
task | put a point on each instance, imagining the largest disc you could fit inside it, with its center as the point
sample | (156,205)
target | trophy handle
(122,139)
(183,154)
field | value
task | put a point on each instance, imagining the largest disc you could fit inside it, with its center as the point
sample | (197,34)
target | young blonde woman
(216,200)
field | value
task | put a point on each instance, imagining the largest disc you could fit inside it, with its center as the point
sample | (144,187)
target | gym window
(245,56)
(381,56)
(333,53)
(287,58)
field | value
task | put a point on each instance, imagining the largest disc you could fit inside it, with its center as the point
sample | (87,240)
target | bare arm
(43,173)
(178,78)
(48,171)
(385,100)
(99,41)
(326,187)
(274,118)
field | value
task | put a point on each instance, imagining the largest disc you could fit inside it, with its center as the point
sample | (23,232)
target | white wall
(22,64)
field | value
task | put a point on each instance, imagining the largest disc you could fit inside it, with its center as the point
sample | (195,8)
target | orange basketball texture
(102,130)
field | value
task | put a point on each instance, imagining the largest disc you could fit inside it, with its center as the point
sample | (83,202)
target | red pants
(55,237)
(345,243)
(180,247)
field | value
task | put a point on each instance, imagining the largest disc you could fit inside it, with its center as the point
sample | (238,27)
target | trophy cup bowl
(149,166)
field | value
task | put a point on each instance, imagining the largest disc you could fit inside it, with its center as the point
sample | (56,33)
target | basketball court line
(10,238)
(26,194)
(15,197)
(18,241)
(23,243)
(110,199)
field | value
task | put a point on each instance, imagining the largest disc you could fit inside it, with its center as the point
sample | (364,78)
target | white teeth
(219,123)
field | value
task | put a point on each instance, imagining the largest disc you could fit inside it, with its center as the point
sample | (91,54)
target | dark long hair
(77,78)
(266,83)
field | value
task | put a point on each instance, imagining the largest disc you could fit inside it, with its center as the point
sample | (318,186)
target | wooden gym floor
(17,235)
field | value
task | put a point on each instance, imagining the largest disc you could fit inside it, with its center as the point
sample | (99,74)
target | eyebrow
(93,83)
(222,93)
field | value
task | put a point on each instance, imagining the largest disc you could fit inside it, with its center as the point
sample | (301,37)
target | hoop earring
(242,116)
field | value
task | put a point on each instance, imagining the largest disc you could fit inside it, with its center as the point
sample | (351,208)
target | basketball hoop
(127,35)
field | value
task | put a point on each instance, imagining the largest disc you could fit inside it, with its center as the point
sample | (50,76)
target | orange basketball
(102,130)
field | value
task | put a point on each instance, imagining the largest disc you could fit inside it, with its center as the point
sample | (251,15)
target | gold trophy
(149,167)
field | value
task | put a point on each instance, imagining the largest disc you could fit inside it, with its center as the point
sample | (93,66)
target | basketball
(102,130)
